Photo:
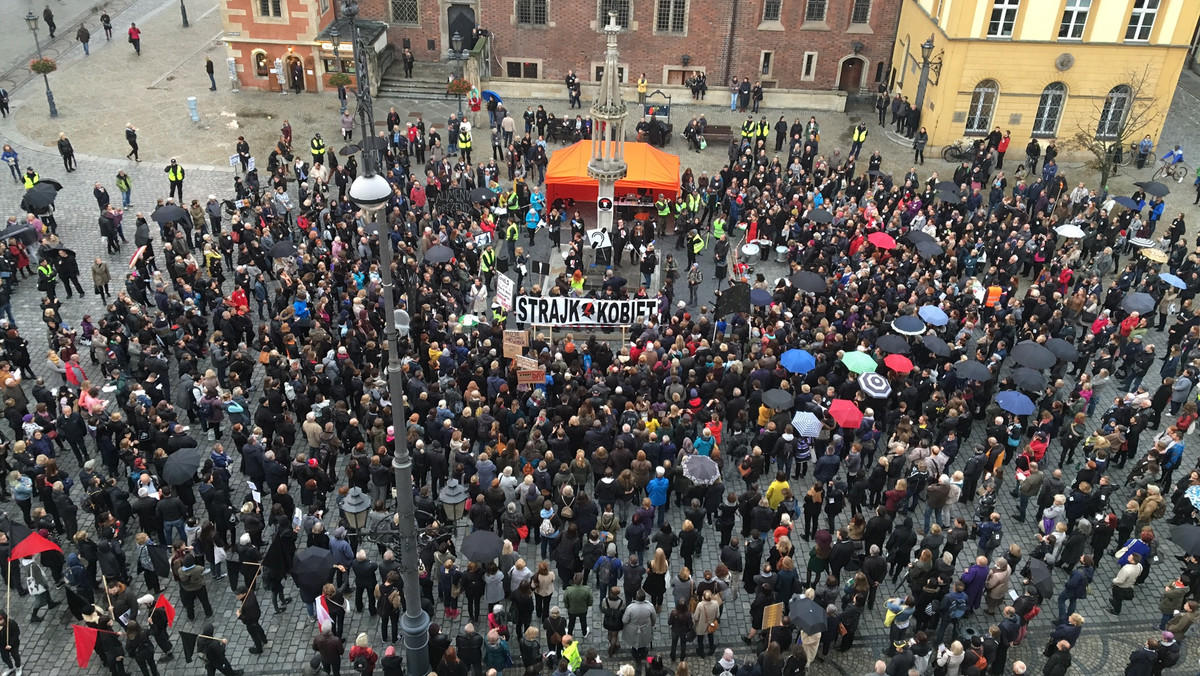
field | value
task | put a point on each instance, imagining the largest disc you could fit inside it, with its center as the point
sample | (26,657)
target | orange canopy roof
(650,169)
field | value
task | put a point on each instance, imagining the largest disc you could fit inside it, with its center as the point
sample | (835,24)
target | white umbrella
(1070,231)
(806,424)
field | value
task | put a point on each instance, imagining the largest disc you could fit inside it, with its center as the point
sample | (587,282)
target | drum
(781,254)
(750,250)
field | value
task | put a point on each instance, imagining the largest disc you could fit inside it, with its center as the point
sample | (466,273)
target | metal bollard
(191,101)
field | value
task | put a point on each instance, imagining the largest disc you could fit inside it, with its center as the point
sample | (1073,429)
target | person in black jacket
(365,579)
(249,613)
(11,648)
(469,645)
(531,652)
(214,653)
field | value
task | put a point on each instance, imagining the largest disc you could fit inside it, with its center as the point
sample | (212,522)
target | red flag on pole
(169,609)
(85,643)
(32,545)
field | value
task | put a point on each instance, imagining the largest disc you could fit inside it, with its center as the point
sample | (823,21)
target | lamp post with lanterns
(458,55)
(453,497)
(31,21)
(928,65)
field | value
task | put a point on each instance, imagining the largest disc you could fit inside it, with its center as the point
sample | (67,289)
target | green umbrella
(859,362)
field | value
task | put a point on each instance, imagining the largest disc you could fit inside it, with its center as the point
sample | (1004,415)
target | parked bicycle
(960,150)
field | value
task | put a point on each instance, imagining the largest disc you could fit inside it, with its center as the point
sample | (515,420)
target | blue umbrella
(933,314)
(489,95)
(1173,280)
(1015,403)
(760,297)
(1127,202)
(1193,496)
(798,361)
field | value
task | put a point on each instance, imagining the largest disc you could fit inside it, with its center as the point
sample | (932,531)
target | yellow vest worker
(694,202)
(31,179)
(487,261)
(318,149)
(859,135)
(663,207)
(499,316)
(748,129)
(764,129)
(511,232)
(697,243)
(718,227)
(464,140)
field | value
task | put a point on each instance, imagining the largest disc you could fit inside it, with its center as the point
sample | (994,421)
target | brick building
(792,44)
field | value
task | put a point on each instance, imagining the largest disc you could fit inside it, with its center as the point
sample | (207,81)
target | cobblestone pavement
(1102,649)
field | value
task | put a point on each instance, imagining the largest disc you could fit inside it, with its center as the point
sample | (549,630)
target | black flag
(189,645)
(734,299)
(160,557)
(539,267)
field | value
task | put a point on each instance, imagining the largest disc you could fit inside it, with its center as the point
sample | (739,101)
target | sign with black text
(582,311)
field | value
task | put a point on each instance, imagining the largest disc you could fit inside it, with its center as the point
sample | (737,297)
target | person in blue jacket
(656,490)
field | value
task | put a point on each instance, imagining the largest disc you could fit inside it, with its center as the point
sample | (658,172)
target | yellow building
(1046,68)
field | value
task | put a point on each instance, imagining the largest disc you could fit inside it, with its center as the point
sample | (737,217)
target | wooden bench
(722,133)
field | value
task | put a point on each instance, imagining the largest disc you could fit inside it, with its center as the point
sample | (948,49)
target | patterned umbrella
(859,362)
(701,469)
(808,424)
(874,385)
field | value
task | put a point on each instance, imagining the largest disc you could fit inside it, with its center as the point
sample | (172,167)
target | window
(521,69)
(1112,116)
(1141,21)
(1074,19)
(815,11)
(861,12)
(671,16)
(1049,109)
(810,67)
(620,7)
(620,73)
(766,63)
(1004,16)
(324,6)
(983,106)
(772,10)
(532,12)
(262,67)
(405,11)
(272,8)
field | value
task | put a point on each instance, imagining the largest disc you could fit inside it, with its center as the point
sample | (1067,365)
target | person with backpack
(608,569)
(1076,587)
(990,535)
(612,610)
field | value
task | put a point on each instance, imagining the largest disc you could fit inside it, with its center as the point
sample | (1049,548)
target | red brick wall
(429,28)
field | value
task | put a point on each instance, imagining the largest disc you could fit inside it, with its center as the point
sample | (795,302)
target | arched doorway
(461,19)
(295,73)
(850,75)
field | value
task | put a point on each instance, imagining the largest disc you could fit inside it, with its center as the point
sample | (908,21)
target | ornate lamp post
(927,66)
(31,20)
(458,55)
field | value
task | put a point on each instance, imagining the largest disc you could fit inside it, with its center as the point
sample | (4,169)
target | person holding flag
(249,614)
(162,616)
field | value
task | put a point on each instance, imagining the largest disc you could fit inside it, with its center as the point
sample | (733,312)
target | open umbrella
(481,195)
(909,325)
(972,370)
(918,236)
(1034,355)
(1141,242)
(882,240)
(21,230)
(946,185)
(1015,402)
(312,568)
(40,196)
(481,546)
(284,248)
(806,614)
(1153,188)
(893,344)
(137,255)
(488,96)
(1126,202)
(933,314)
(1193,496)
(820,216)
(1187,537)
(1039,575)
(760,297)
(1156,255)
(438,254)
(168,213)
(1029,380)
(929,249)
(1173,280)
(936,345)
(874,385)
(181,466)
(1138,302)
(1062,349)
(859,362)
(809,281)
(701,469)
(845,413)
(798,361)
(806,424)
(949,196)
(1070,231)
(779,400)
(898,363)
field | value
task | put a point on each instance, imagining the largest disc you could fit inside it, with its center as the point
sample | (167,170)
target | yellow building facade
(1041,68)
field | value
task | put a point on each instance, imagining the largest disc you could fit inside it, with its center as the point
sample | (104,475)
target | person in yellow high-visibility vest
(317,147)
(695,244)
(511,232)
(718,227)
(749,129)
(31,178)
(175,176)
(763,129)
(464,144)
(487,264)
(857,137)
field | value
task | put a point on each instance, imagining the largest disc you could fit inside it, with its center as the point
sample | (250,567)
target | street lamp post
(31,20)
(355,507)
(371,192)
(927,65)
(183,13)
(458,55)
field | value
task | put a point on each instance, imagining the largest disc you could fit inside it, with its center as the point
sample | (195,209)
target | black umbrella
(701,469)
(809,281)
(918,236)
(929,249)
(160,558)
(893,344)
(1154,188)
(1034,355)
(22,230)
(936,345)
(909,325)
(55,252)
(760,297)
(806,614)
(284,248)
(481,195)
(946,185)
(168,213)
(1062,349)
(1039,575)
(972,370)
(947,196)
(1141,303)
(481,546)
(1188,538)
(347,151)
(1029,380)
(820,216)
(181,466)
(39,197)
(439,254)
(779,399)
(616,283)
(312,568)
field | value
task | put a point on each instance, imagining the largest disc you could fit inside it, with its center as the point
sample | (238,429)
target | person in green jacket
(578,599)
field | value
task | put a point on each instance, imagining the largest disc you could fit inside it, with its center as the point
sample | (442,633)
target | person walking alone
(175,175)
(212,79)
(48,17)
(135,38)
(131,139)
(68,153)
(83,35)
(919,144)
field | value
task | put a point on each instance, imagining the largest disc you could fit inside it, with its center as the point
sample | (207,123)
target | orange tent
(650,170)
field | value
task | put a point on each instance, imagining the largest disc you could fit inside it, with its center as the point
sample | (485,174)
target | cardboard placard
(515,342)
(537,377)
(772,616)
(526,363)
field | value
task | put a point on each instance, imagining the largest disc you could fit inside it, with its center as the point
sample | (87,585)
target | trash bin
(781,253)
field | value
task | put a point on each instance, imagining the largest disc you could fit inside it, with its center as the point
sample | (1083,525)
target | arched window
(262,67)
(983,106)
(1112,116)
(1049,110)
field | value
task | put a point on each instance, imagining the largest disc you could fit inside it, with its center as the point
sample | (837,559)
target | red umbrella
(32,545)
(882,240)
(898,363)
(845,413)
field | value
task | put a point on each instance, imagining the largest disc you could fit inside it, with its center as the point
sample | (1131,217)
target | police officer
(763,130)
(47,279)
(749,129)
(695,244)
(317,148)
(857,137)
(464,143)
(175,175)
(31,178)
(487,264)
(511,232)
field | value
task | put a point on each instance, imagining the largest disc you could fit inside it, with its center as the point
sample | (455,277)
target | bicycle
(962,149)
(1177,171)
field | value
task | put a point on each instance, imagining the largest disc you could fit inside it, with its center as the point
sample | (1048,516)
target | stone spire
(608,116)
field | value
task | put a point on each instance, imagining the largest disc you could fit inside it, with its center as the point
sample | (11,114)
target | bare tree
(1106,133)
